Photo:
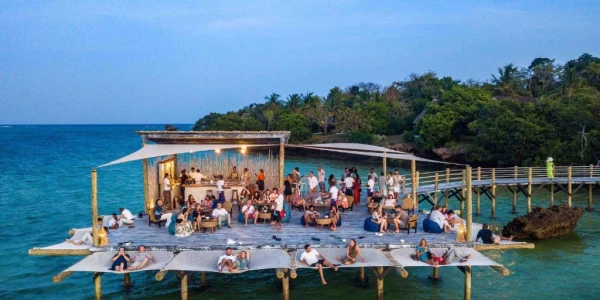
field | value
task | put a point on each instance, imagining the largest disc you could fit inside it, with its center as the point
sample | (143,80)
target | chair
(412,223)
(408,204)
(350,200)
(152,219)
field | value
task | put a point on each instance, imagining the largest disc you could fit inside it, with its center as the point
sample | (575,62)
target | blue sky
(85,62)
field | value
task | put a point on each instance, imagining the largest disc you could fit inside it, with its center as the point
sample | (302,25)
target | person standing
(382,182)
(277,214)
(287,187)
(370,186)
(550,168)
(349,185)
(246,177)
(333,192)
(373,174)
(356,188)
(183,178)
(220,191)
(167,189)
(321,178)
(397,181)
(312,182)
(260,180)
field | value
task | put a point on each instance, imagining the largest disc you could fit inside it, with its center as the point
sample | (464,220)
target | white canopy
(351,146)
(155,150)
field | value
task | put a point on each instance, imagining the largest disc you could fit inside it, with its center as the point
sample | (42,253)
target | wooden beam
(380,278)
(60,276)
(551,194)
(285,285)
(413,180)
(484,247)
(94,177)
(184,286)
(281,163)
(569,186)
(467,283)
(514,204)
(469,203)
(280,273)
(402,272)
(501,269)
(529,183)
(447,182)
(384,163)
(293,274)
(147,200)
(435,188)
(478,191)
(59,252)
(161,274)
(126,279)
(493,193)
(591,191)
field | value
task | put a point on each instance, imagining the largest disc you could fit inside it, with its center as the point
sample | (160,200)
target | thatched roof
(215,137)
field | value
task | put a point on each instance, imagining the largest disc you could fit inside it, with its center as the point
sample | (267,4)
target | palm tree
(294,101)
(507,80)
(273,102)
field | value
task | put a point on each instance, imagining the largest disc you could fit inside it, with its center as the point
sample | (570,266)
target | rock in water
(543,223)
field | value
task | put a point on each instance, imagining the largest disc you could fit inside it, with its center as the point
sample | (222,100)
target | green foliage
(298,124)
(229,122)
(360,137)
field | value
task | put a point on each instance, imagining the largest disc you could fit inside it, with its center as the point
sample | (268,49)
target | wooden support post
(478,192)
(280,273)
(463,191)
(147,200)
(293,274)
(493,193)
(591,190)
(184,286)
(413,180)
(126,279)
(446,191)
(529,184)
(281,163)
(98,285)
(95,206)
(203,278)
(435,275)
(384,163)
(435,188)
(285,285)
(467,282)
(380,284)
(501,269)
(569,187)
(514,205)
(469,203)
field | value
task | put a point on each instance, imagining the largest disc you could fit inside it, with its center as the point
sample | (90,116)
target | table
(209,224)
(322,222)
(264,216)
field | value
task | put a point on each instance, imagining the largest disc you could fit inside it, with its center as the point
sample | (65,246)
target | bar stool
(234,196)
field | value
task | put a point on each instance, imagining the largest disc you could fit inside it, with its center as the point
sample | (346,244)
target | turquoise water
(45,191)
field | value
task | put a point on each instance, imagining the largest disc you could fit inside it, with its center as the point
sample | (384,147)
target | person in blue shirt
(158,213)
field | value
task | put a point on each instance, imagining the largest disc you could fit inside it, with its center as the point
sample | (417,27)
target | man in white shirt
(333,195)
(220,191)
(321,178)
(249,212)
(437,217)
(312,182)
(349,183)
(167,189)
(370,185)
(373,174)
(398,179)
(276,221)
(227,260)
(198,176)
(126,217)
(221,214)
(312,258)
(114,222)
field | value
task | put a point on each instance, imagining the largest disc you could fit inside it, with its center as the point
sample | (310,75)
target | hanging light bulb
(217,151)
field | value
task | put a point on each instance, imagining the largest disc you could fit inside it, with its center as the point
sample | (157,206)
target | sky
(147,62)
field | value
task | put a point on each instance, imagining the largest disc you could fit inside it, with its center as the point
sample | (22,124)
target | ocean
(45,191)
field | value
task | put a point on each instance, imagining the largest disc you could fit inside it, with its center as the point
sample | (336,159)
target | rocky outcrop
(543,223)
(404,147)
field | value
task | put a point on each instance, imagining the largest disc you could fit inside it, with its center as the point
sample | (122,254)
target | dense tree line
(519,117)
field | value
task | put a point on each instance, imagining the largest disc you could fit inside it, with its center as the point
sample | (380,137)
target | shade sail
(358,151)
(156,150)
(351,147)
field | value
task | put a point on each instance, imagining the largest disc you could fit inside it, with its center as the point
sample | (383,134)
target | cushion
(303,222)
(371,226)
(288,212)
(431,226)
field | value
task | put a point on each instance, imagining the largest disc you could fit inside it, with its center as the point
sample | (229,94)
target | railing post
(446,190)
(463,191)
(529,183)
(413,179)
(569,186)
(478,192)
(493,193)
(416,201)
(514,205)
(591,190)
(435,188)
(469,203)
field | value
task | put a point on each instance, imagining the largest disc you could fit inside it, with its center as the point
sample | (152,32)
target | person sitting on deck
(450,255)
(242,262)
(114,222)
(227,260)
(334,215)
(351,252)
(221,214)
(376,198)
(400,219)
(140,260)
(89,240)
(297,200)
(310,215)
(487,237)
(436,218)
(379,218)
(423,254)
(312,258)
(390,201)
(197,217)
(184,227)
(313,197)
(249,212)
(158,213)
(126,217)
(120,260)
(342,200)
(452,218)
(207,203)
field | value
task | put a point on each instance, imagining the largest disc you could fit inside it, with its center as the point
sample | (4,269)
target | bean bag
(242,221)
(339,221)
(371,226)
(303,222)
(172,225)
(431,226)
(288,212)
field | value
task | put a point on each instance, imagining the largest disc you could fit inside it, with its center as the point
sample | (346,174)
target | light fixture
(217,150)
